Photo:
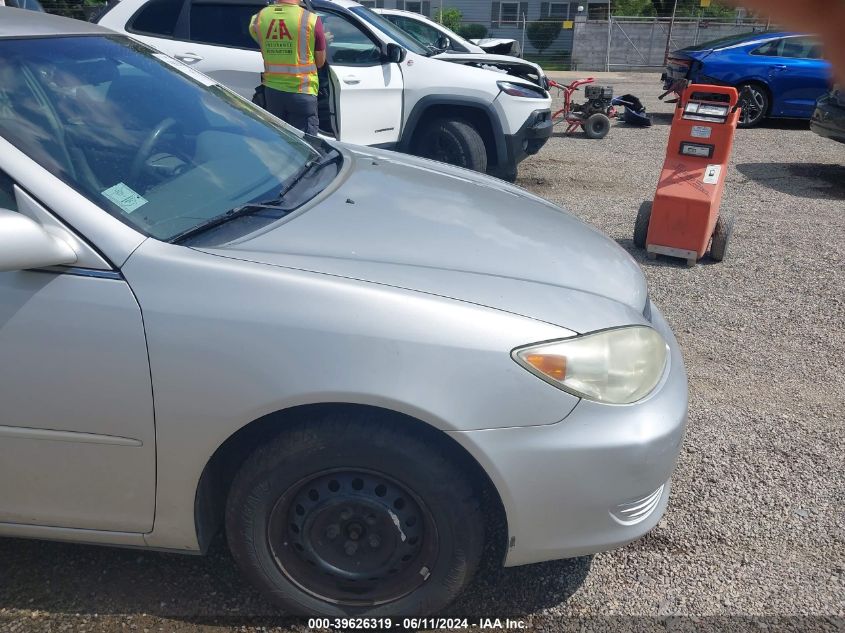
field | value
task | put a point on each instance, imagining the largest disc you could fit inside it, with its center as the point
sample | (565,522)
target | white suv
(382,88)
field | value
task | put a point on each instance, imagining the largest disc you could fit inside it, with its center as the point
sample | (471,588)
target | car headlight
(520,90)
(617,366)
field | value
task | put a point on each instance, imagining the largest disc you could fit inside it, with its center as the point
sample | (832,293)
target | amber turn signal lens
(552,366)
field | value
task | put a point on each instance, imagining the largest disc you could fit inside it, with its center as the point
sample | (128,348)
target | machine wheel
(454,142)
(755,106)
(345,516)
(641,225)
(597,126)
(721,236)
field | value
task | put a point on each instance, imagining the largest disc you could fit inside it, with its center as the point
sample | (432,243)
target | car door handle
(351,80)
(188,58)
(779,68)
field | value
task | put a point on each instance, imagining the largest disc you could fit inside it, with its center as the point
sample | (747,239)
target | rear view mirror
(26,244)
(443,43)
(395,54)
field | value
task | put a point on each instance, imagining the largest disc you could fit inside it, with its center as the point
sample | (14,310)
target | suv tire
(453,142)
(345,517)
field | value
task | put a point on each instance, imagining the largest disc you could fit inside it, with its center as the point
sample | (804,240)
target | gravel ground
(754,538)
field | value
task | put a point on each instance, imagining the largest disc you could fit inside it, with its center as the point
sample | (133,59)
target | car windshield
(159,146)
(391,30)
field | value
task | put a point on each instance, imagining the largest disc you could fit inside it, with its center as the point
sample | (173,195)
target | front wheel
(641,224)
(454,142)
(722,236)
(344,517)
(597,126)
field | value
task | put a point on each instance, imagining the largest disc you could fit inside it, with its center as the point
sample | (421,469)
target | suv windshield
(391,30)
(155,144)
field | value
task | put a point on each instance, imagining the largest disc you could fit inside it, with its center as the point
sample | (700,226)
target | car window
(157,17)
(391,30)
(348,45)
(161,149)
(7,192)
(423,33)
(792,47)
(223,24)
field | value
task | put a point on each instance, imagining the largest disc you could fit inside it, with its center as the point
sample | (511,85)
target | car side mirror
(443,43)
(26,244)
(395,54)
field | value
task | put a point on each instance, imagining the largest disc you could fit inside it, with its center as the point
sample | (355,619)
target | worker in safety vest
(293,46)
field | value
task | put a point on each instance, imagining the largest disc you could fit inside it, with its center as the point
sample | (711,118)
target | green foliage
(543,33)
(449,17)
(472,31)
(634,7)
(663,8)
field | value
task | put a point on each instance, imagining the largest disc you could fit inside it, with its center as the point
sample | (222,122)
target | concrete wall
(641,42)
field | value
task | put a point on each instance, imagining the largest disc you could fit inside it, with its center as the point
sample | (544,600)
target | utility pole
(609,34)
(669,36)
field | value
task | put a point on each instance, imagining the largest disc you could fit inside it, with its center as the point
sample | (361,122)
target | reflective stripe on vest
(286,35)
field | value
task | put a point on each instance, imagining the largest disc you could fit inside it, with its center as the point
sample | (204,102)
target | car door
(77,434)
(367,89)
(218,43)
(797,75)
(211,36)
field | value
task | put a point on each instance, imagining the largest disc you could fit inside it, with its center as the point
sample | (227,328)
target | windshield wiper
(311,167)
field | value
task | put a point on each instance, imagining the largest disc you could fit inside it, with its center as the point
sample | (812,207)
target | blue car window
(792,47)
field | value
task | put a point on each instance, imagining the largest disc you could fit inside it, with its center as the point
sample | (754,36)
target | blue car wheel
(755,105)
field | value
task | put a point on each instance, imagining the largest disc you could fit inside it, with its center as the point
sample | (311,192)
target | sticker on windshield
(185,70)
(124,197)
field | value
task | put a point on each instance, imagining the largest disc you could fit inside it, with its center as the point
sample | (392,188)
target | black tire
(755,104)
(509,176)
(641,224)
(722,236)
(368,479)
(597,126)
(453,142)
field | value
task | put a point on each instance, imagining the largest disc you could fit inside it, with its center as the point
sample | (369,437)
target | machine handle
(728,91)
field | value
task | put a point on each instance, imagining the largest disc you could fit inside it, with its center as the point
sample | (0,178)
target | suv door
(367,89)
(219,40)
(77,433)
(211,36)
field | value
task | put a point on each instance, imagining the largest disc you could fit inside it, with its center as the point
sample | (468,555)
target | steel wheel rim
(753,108)
(353,537)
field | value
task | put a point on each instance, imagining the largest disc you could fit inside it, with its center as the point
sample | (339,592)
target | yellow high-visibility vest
(285,33)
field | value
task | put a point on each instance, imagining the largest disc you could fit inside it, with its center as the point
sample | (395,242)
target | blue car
(784,73)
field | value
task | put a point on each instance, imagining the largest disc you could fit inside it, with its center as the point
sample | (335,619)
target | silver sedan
(333,353)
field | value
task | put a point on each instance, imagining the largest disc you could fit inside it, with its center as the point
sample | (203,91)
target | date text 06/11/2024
(416,623)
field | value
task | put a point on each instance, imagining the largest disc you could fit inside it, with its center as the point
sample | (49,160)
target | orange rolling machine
(684,220)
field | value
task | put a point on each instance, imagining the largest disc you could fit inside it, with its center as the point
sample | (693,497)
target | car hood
(503,63)
(428,227)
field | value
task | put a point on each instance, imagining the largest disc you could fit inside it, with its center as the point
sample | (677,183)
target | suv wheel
(454,142)
(343,517)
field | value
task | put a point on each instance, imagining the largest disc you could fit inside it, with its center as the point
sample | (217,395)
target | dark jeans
(298,110)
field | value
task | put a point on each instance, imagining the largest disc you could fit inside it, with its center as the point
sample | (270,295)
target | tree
(450,18)
(543,33)
(633,7)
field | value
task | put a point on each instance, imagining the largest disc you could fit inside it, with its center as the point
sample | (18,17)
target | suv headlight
(520,90)
(617,366)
